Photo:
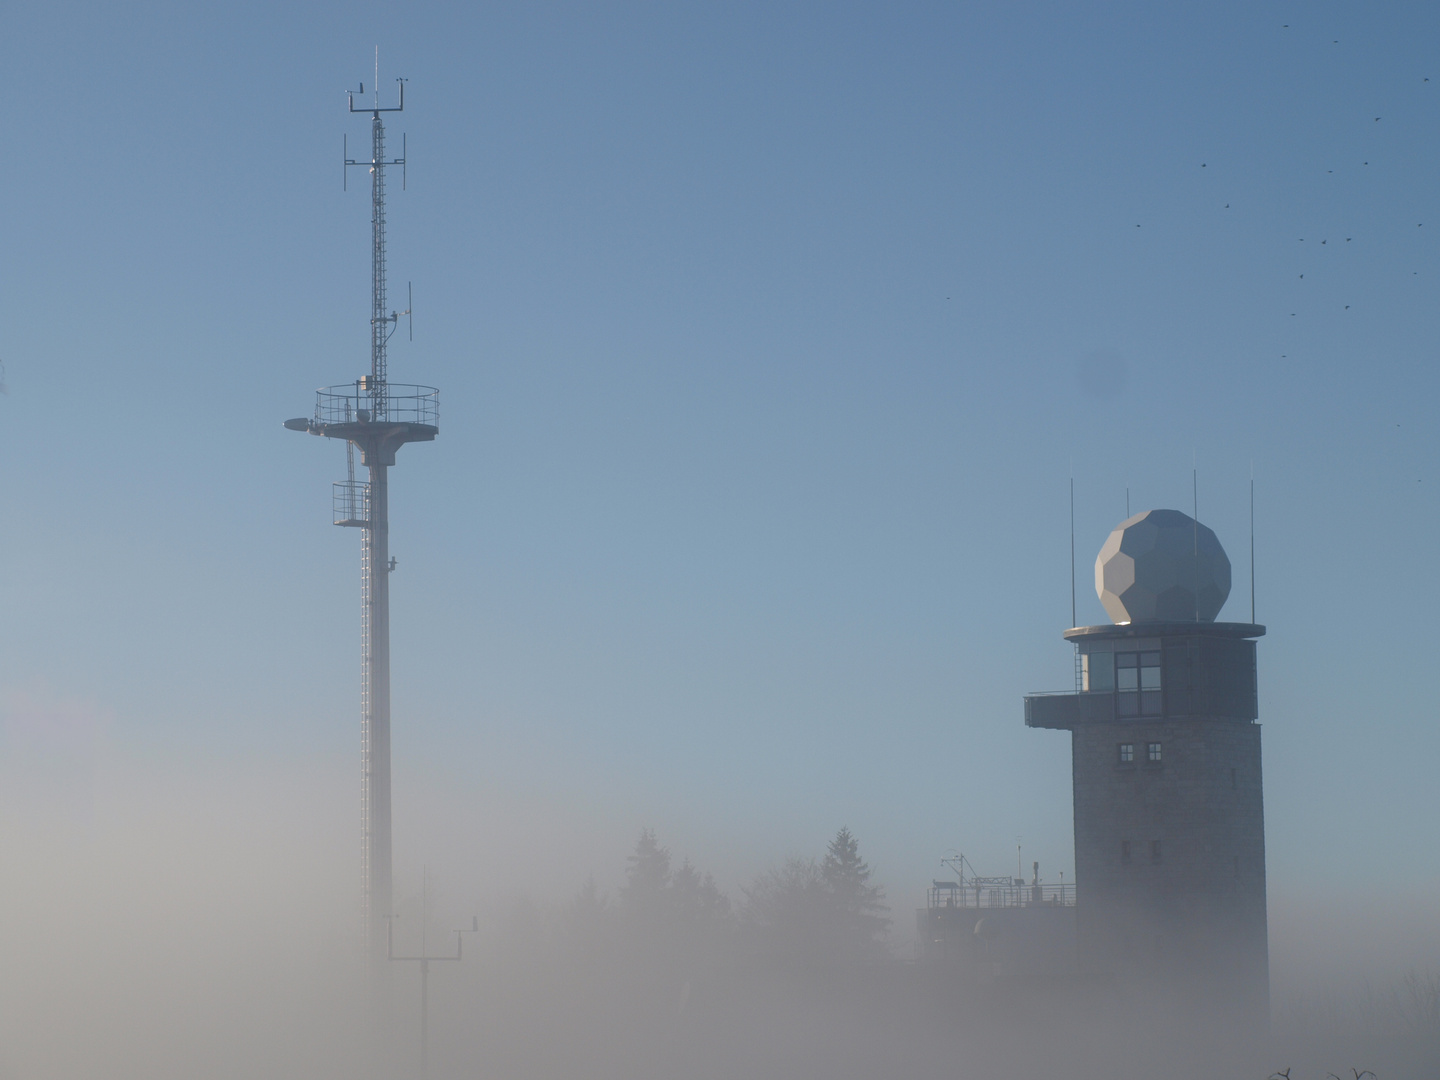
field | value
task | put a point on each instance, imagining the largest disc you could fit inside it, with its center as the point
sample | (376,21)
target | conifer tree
(647,877)
(857,907)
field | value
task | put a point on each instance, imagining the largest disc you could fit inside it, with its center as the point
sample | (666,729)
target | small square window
(1127,752)
(1124,851)
(1152,751)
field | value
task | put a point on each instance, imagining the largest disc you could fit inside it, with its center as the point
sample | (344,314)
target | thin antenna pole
(1127,502)
(1072,550)
(1195,493)
(1252,542)
(378,330)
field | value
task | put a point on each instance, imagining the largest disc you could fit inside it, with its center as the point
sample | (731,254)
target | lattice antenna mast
(382,322)
(376,417)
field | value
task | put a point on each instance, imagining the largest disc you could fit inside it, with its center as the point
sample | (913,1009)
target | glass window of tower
(1137,684)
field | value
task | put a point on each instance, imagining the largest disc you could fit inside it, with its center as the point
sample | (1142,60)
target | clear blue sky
(768,337)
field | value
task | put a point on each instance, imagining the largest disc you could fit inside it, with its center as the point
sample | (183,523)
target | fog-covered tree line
(805,913)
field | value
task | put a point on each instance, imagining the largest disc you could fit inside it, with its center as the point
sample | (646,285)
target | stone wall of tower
(1170,854)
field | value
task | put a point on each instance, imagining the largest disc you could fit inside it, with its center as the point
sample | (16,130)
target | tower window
(1127,752)
(1125,851)
(1152,751)
(1137,684)
(1154,850)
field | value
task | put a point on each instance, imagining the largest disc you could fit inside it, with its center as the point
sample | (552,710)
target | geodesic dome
(1149,570)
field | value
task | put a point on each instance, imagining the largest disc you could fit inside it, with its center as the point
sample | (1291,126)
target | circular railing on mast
(396,403)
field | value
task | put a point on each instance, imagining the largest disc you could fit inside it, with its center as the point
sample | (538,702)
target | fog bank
(205,922)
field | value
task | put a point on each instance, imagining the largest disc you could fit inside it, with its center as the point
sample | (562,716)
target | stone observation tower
(1169,812)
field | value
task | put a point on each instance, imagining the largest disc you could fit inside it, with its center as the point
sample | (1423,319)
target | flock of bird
(1325,240)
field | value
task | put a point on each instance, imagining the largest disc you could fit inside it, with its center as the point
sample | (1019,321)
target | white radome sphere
(1149,570)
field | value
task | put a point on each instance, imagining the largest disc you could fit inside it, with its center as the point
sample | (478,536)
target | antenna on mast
(1252,542)
(1072,545)
(1195,493)
(379,334)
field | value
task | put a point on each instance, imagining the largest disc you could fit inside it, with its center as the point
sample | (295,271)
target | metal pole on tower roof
(1072,549)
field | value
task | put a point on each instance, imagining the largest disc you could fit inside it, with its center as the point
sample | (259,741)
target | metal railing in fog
(949,894)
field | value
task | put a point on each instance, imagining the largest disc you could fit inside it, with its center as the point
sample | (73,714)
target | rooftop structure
(998,926)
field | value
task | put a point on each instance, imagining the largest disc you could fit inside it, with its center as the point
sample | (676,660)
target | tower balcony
(379,418)
(364,402)
(1063,710)
(1155,671)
